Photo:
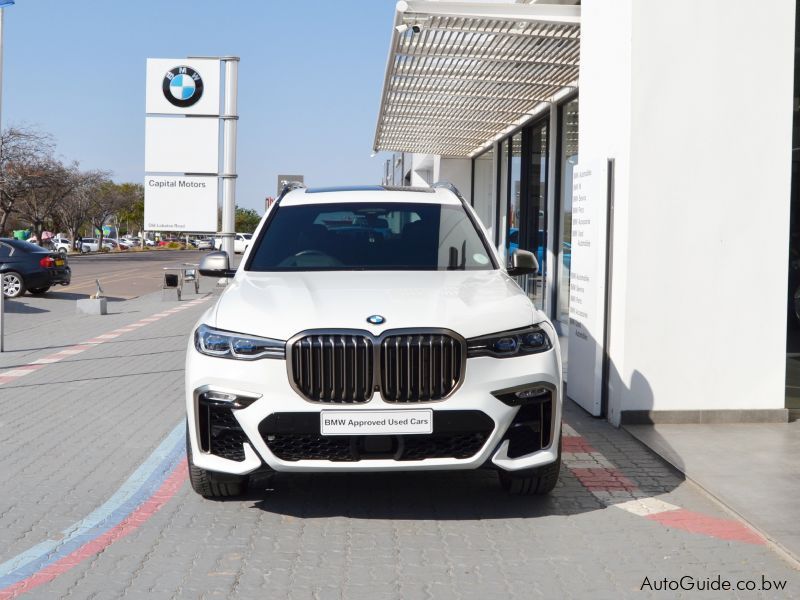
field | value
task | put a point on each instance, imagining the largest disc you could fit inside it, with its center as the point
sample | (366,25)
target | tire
(39,291)
(532,482)
(63,251)
(13,282)
(211,484)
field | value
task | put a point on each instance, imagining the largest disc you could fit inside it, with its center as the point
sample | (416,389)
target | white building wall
(485,189)
(457,171)
(694,102)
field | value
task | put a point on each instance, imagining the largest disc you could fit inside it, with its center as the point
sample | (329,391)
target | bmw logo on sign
(182,86)
(376,320)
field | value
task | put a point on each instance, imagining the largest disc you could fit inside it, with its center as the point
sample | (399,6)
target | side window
(5,252)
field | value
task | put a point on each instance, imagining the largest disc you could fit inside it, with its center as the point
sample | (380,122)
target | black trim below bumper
(296,436)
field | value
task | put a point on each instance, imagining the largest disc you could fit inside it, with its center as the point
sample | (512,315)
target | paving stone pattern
(73,431)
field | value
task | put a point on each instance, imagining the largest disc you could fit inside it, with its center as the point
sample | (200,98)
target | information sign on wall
(587,284)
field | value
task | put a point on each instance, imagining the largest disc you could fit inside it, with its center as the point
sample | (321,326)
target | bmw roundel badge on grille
(376,320)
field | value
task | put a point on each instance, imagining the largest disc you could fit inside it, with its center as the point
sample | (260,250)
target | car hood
(280,305)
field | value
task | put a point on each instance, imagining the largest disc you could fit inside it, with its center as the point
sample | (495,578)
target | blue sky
(310,79)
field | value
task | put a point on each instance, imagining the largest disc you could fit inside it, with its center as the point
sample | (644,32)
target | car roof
(370,193)
(23,245)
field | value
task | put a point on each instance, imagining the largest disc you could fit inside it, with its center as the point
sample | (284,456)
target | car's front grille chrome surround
(347,366)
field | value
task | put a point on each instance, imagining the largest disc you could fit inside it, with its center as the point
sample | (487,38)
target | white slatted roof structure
(461,74)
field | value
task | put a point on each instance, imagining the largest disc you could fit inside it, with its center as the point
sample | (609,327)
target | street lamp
(3,3)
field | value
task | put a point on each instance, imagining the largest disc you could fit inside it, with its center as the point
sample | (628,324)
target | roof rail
(288,187)
(449,186)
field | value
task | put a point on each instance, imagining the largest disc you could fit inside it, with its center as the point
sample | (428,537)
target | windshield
(370,236)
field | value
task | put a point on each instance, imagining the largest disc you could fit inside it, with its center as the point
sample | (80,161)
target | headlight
(227,344)
(507,344)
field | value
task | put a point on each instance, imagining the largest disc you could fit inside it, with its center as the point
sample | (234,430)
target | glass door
(526,222)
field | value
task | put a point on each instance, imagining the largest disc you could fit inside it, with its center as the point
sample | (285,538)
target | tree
(20,149)
(247,220)
(109,198)
(49,183)
(74,209)
(132,204)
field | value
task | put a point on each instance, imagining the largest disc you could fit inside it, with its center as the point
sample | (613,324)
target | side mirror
(216,264)
(523,263)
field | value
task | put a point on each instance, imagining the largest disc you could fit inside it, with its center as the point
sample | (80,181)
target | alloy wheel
(12,285)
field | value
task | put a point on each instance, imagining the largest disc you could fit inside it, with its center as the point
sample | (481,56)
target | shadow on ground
(429,495)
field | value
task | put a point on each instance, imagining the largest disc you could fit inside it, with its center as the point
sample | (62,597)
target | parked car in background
(92,244)
(111,244)
(170,240)
(136,242)
(89,245)
(240,242)
(61,244)
(28,267)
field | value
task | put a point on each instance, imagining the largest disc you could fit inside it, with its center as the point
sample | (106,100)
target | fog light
(226,399)
(531,393)
(219,397)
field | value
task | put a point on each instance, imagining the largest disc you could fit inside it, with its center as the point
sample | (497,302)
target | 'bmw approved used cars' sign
(376,422)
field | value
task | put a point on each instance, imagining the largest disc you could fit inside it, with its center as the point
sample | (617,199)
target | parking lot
(96,502)
(124,274)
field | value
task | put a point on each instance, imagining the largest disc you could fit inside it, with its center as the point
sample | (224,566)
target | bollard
(95,304)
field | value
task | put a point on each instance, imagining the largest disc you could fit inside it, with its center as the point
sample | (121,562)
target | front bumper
(270,398)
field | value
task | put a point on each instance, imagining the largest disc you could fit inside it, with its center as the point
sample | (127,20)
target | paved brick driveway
(74,430)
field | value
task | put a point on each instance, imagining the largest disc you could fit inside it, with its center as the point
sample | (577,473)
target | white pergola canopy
(461,74)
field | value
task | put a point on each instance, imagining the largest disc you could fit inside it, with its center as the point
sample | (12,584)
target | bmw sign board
(181,86)
(182,144)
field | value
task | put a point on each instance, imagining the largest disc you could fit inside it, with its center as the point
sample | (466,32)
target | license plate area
(59,262)
(376,422)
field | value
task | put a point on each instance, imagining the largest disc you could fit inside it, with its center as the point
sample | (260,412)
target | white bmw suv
(372,329)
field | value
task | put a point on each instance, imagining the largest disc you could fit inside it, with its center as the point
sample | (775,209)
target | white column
(703,173)
(230,118)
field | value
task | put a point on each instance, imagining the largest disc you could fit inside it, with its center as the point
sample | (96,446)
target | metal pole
(229,120)
(2,278)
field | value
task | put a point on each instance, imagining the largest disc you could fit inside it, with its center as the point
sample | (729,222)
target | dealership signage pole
(229,124)
(189,103)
